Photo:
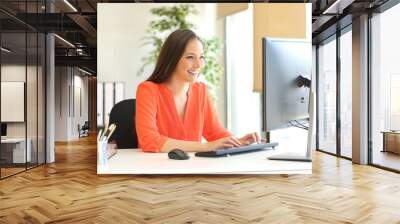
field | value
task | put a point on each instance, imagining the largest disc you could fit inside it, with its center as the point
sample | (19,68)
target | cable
(298,126)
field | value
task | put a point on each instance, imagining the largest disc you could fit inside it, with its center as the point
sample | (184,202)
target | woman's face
(191,62)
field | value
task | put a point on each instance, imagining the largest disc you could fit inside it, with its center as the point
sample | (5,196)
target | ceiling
(332,15)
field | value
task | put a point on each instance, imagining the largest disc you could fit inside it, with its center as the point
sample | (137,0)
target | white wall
(244,105)
(17,73)
(79,117)
(12,100)
(61,103)
(14,73)
(67,117)
(120,29)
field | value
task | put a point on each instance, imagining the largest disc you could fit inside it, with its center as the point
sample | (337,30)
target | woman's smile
(194,73)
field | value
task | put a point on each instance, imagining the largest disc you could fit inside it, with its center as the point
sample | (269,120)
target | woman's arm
(190,146)
(149,138)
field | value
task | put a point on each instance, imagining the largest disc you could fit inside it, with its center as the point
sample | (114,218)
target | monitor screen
(286,81)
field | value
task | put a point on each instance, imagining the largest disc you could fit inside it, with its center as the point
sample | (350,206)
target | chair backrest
(123,116)
(86,125)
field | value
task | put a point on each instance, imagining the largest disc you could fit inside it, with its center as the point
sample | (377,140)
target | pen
(104,132)
(112,129)
(107,134)
(99,134)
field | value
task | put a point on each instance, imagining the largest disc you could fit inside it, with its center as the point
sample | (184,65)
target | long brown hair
(171,51)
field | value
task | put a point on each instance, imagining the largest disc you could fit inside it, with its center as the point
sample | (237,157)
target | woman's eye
(191,57)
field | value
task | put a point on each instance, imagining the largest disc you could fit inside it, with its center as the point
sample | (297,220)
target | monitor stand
(290,156)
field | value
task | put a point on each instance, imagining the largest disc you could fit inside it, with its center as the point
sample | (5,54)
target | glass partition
(108,94)
(385,89)
(22,77)
(327,96)
(13,114)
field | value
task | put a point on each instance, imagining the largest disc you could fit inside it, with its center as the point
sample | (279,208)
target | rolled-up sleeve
(150,140)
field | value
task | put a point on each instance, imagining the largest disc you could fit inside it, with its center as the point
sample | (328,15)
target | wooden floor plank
(70,191)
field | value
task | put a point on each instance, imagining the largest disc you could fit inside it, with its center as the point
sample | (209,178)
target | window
(108,94)
(100,117)
(385,88)
(108,100)
(119,92)
(327,96)
(346,93)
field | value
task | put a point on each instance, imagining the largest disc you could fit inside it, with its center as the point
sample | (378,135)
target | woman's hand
(227,142)
(250,138)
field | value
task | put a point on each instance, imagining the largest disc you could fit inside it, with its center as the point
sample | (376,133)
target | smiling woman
(175,111)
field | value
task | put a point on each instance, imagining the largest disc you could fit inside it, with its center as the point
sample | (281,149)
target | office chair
(123,116)
(84,130)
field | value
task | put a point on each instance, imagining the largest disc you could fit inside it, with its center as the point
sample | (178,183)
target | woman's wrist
(206,146)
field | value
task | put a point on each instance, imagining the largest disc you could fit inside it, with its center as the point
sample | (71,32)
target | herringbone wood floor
(70,191)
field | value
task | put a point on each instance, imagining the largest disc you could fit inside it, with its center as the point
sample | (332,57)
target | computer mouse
(178,154)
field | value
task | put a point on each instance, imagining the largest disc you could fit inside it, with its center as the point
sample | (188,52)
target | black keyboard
(237,150)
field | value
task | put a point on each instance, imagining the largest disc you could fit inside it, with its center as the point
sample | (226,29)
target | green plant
(170,19)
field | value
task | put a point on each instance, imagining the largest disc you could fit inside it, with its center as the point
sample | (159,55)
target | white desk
(18,150)
(132,161)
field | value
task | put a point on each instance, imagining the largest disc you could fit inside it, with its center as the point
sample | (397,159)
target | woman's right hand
(227,142)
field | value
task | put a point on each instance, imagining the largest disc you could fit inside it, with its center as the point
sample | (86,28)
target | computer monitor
(3,129)
(286,81)
(287,96)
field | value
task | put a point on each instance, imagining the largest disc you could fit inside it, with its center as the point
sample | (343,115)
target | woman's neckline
(171,91)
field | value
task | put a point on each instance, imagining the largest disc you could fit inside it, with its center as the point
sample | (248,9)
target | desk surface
(132,161)
(13,140)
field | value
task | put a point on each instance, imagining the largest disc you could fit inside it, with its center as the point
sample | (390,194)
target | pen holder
(102,153)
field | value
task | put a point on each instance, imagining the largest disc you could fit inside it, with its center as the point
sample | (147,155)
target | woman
(173,110)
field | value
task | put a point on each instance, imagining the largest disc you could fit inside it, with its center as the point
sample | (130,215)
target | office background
(238,100)
(357,84)
(339,190)
(54,101)
(22,62)
(335,117)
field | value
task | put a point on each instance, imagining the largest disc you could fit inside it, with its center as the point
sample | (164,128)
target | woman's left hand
(250,138)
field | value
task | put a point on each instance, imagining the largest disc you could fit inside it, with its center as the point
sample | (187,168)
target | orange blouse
(157,118)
